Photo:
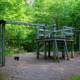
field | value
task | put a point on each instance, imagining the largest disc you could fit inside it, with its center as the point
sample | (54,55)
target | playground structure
(48,35)
(59,38)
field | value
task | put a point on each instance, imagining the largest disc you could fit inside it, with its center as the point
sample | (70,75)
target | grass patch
(75,78)
(3,76)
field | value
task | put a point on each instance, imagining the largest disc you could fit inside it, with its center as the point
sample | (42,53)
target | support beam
(56,50)
(2,42)
(45,50)
(79,42)
(66,49)
(63,51)
(23,23)
(72,49)
(48,48)
(37,45)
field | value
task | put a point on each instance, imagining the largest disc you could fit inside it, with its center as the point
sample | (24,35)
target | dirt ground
(29,68)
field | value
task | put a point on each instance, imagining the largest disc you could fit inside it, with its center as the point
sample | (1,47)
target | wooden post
(37,49)
(56,50)
(45,52)
(79,42)
(48,48)
(0,45)
(63,51)
(2,32)
(53,48)
(3,44)
(63,54)
(66,49)
(72,49)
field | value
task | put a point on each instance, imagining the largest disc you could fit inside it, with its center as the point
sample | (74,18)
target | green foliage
(61,12)
(75,78)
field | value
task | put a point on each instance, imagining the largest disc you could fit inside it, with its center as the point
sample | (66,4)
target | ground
(29,68)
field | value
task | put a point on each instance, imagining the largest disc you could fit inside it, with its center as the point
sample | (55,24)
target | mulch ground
(29,68)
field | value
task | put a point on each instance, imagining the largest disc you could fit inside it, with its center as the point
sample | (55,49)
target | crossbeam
(23,23)
(20,23)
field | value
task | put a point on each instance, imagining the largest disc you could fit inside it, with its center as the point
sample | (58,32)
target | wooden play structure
(59,38)
(52,39)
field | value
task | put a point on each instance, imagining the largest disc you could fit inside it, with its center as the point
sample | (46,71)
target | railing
(43,32)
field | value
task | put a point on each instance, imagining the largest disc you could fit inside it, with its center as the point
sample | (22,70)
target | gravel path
(29,68)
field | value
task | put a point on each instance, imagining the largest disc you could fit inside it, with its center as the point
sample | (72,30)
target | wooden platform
(47,39)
